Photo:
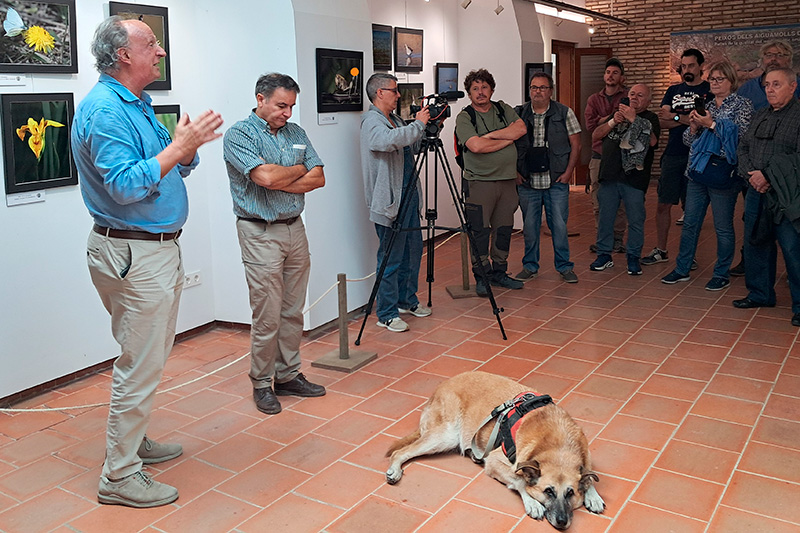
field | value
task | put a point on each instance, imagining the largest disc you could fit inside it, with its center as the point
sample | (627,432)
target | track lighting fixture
(465,4)
(498,9)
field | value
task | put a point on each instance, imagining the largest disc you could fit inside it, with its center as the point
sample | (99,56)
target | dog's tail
(403,442)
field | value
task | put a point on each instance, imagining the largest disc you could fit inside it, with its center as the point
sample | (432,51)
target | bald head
(640,96)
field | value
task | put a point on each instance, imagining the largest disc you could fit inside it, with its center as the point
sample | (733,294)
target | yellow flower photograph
(36,140)
(38,36)
(39,39)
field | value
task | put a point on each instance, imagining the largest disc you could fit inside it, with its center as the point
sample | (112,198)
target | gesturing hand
(191,135)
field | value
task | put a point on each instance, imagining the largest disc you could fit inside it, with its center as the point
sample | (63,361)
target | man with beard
(599,108)
(774,54)
(678,102)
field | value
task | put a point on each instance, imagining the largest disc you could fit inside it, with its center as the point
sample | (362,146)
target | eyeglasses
(717,79)
(393,89)
(773,55)
(543,88)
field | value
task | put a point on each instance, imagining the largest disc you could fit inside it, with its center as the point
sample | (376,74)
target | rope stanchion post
(464,290)
(343,359)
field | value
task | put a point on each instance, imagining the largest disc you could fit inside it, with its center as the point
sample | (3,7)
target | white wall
(52,322)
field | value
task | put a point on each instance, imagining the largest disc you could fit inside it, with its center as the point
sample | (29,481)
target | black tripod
(430,143)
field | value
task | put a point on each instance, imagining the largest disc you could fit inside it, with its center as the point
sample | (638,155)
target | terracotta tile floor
(692,409)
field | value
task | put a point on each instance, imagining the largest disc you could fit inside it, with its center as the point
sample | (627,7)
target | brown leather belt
(287,221)
(136,235)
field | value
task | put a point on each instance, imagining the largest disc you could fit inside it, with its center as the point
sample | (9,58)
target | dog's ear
(588,479)
(530,471)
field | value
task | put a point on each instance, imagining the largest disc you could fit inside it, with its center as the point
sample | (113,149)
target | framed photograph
(410,93)
(36,141)
(407,50)
(157,19)
(168,115)
(530,68)
(339,80)
(39,37)
(381,47)
(446,78)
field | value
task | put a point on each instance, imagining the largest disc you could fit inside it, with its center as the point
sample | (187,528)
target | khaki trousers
(140,284)
(277,265)
(489,207)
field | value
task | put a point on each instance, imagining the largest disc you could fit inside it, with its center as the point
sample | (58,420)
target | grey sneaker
(526,275)
(569,276)
(136,490)
(396,324)
(152,452)
(656,256)
(418,310)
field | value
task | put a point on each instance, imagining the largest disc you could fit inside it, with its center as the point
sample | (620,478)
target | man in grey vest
(546,158)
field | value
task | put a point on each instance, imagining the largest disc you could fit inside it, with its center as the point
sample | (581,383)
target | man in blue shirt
(271,165)
(131,176)
(774,54)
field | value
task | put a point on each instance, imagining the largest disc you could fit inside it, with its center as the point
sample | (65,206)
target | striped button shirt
(250,143)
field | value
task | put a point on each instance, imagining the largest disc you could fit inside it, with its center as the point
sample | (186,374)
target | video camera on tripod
(439,108)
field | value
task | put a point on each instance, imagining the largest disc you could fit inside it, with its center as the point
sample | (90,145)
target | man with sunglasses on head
(768,158)
(774,54)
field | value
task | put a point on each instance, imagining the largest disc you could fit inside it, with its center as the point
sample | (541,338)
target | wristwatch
(676,118)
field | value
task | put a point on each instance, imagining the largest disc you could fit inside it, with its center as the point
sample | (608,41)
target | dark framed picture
(339,80)
(407,50)
(158,20)
(39,37)
(530,68)
(410,94)
(446,78)
(381,47)
(36,141)
(168,115)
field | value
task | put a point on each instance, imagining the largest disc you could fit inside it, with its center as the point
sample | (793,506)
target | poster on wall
(339,80)
(446,78)
(407,50)
(381,47)
(36,139)
(157,19)
(39,37)
(740,46)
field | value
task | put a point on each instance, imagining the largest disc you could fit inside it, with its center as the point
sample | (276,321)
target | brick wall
(643,46)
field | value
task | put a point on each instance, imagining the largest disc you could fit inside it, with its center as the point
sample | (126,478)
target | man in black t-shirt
(629,140)
(676,105)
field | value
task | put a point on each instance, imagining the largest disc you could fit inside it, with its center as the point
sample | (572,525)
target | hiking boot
(738,270)
(299,386)
(481,289)
(418,310)
(136,490)
(674,277)
(634,267)
(602,262)
(501,279)
(656,256)
(569,276)
(717,284)
(152,452)
(395,324)
(526,275)
(266,401)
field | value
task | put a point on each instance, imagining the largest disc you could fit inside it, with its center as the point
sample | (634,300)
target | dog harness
(509,417)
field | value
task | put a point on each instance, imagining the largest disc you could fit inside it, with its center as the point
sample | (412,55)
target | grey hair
(788,73)
(267,84)
(110,36)
(378,81)
(783,45)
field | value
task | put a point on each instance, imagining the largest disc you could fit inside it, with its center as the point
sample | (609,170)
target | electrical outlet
(192,279)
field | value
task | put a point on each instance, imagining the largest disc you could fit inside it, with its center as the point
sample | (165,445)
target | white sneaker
(418,310)
(395,324)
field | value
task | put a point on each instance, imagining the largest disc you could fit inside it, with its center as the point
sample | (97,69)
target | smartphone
(625,101)
(700,105)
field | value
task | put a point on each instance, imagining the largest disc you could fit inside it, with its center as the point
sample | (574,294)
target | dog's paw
(393,475)
(533,508)
(592,501)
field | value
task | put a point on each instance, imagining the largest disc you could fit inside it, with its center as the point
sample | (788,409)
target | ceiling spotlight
(465,4)
(499,9)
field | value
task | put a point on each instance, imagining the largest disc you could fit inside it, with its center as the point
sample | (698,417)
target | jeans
(723,202)
(609,196)
(398,287)
(761,261)
(556,207)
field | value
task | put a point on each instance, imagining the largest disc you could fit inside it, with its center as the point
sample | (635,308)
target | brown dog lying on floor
(552,472)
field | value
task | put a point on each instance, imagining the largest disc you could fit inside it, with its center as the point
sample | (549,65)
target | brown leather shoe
(299,386)
(266,401)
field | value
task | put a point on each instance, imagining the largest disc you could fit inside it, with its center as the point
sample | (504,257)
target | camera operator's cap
(614,62)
